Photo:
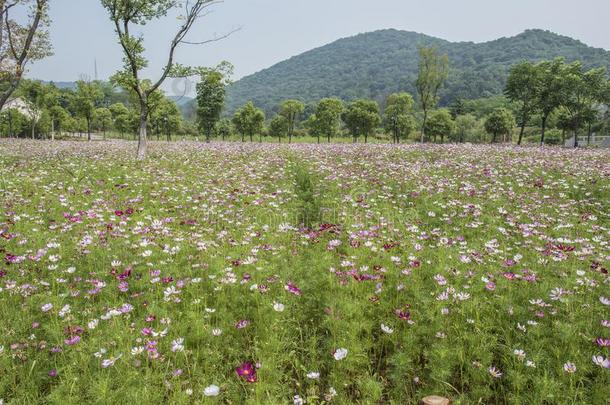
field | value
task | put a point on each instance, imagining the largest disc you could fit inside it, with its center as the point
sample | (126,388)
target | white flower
(569,367)
(93,324)
(340,354)
(100,354)
(313,375)
(64,311)
(137,350)
(177,345)
(216,332)
(387,329)
(211,391)
(604,300)
(279,307)
(519,353)
(530,363)
(297,400)
(600,361)
(110,362)
(46,307)
(495,372)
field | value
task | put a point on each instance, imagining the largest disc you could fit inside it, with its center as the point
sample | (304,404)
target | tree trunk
(366,138)
(544,118)
(52,129)
(89,129)
(250,137)
(318,139)
(589,135)
(423,127)
(142,141)
(575,138)
(521,133)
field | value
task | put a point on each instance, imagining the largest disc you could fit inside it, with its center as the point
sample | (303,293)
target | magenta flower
(247,372)
(291,288)
(52,373)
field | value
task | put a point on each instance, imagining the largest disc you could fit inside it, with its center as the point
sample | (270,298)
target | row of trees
(92,106)
(550,86)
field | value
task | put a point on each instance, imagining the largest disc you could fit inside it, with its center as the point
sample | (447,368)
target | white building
(23,107)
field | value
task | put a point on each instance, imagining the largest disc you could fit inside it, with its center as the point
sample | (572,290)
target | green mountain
(378,63)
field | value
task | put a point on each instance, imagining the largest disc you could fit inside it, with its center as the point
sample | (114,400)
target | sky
(274,30)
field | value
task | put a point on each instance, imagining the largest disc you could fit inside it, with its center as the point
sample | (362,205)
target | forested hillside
(375,64)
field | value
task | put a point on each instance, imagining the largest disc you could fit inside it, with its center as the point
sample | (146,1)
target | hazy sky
(273,30)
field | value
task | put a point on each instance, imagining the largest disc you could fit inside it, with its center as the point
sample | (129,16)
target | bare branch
(216,39)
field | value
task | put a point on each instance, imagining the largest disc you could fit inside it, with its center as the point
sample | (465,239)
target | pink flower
(242,324)
(72,341)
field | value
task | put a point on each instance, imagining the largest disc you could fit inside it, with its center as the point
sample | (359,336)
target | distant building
(23,107)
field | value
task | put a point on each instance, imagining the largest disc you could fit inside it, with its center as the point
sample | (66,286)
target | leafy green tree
(125,14)
(87,97)
(583,90)
(550,93)
(398,119)
(103,119)
(278,127)
(499,122)
(120,117)
(249,120)
(458,107)
(362,118)
(224,128)
(59,116)
(21,44)
(464,125)
(523,88)
(211,92)
(328,117)
(291,109)
(439,124)
(433,72)
(166,117)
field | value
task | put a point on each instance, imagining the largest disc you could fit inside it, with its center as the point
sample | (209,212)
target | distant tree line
(545,100)
(47,112)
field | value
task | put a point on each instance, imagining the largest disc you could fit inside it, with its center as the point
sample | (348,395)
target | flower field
(244,273)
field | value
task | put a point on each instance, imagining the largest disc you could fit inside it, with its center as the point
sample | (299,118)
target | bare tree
(21,43)
(126,13)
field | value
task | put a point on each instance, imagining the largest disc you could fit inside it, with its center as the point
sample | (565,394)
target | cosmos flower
(211,391)
(340,354)
(72,340)
(291,288)
(387,329)
(178,345)
(278,307)
(495,372)
(46,307)
(601,361)
(313,375)
(242,324)
(110,362)
(247,372)
(569,367)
